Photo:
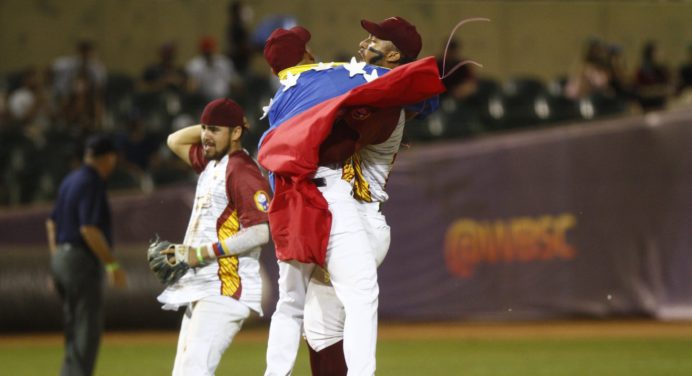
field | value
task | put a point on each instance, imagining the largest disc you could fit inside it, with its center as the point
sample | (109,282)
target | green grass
(468,357)
(581,357)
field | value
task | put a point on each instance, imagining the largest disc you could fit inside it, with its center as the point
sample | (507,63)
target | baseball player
(390,43)
(349,257)
(227,226)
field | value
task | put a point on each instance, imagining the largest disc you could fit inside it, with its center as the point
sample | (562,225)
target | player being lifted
(227,226)
(349,257)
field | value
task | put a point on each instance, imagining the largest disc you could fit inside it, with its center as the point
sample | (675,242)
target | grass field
(552,348)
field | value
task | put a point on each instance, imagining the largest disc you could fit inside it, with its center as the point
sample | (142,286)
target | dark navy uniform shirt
(81,201)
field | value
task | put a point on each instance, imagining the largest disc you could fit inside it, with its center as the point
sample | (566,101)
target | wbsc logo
(470,242)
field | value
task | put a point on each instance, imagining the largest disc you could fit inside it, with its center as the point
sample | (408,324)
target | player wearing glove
(169,262)
(214,273)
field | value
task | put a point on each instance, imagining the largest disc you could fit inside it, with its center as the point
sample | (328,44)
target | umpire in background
(80,241)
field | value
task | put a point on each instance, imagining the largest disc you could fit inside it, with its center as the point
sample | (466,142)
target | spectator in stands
(685,73)
(80,240)
(66,69)
(21,138)
(617,73)
(593,74)
(136,146)
(165,74)
(652,83)
(29,105)
(237,36)
(461,83)
(83,109)
(210,74)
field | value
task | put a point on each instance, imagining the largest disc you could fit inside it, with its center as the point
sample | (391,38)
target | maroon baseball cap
(207,44)
(223,112)
(398,31)
(285,48)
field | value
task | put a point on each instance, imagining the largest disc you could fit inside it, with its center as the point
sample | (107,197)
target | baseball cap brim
(397,30)
(373,29)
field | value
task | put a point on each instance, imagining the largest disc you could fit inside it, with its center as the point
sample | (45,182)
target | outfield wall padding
(590,220)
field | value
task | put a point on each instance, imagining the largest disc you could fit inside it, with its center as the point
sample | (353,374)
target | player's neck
(235,146)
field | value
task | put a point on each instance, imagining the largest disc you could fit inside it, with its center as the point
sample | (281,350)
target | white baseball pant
(324,314)
(353,273)
(208,328)
(287,320)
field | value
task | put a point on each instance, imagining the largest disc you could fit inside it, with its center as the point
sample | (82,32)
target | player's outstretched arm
(182,140)
(245,240)
(242,242)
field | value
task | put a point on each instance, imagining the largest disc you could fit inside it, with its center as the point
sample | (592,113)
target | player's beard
(213,154)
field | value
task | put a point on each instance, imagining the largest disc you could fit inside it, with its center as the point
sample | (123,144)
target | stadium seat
(515,107)
(600,105)
(552,108)
(486,89)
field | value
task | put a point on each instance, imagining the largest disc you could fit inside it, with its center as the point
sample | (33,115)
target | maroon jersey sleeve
(247,189)
(197,159)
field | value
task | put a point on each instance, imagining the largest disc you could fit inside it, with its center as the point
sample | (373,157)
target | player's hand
(117,278)
(167,261)
(178,253)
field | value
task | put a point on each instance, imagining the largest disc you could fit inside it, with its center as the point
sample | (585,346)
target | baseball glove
(166,262)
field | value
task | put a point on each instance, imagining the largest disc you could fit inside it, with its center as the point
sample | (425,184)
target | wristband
(112,266)
(218,249)
(200,259)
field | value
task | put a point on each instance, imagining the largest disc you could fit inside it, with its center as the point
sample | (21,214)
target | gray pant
(78,276)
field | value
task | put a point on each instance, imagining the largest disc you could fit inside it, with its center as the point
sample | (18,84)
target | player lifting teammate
(390,43)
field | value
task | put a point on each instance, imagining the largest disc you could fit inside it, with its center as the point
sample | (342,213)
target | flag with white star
(301,118)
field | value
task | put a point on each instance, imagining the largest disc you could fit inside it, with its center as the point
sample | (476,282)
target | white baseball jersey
(369,168)
(231,194)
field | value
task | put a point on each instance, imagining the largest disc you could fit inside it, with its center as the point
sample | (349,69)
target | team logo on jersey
(262,201)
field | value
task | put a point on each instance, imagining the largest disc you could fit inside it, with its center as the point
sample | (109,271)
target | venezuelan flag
(301,116)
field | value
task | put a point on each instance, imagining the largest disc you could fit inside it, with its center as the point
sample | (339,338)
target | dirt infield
(418,331)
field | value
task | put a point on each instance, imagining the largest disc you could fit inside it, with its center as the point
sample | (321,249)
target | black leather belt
(320,182)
